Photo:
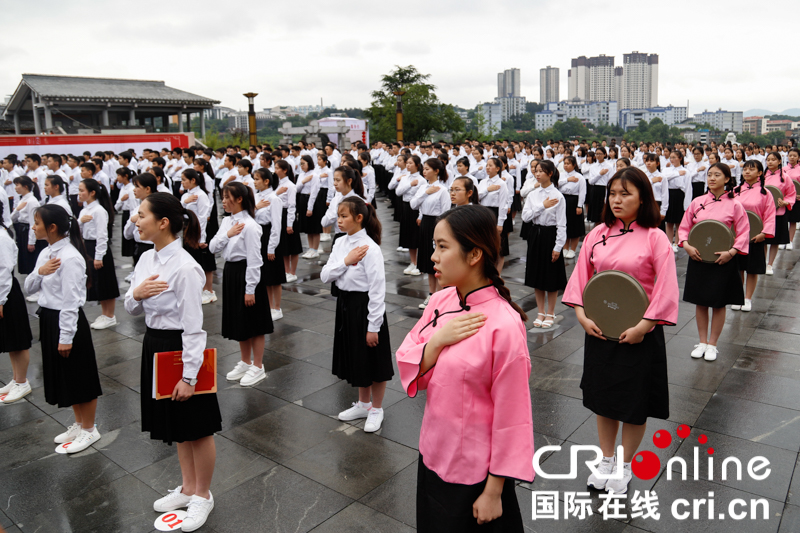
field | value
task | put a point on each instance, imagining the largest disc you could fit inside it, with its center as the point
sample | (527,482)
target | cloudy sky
(295,53)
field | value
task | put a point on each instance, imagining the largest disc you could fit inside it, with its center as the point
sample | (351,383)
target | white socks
(363,405)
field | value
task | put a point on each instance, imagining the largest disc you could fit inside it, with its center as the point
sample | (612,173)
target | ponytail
(29,184)
(191,234)
(2,224)
(165,205)
(352,178)
(369,218)
(193,175)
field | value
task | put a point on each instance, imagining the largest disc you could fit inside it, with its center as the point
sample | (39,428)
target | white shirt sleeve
(8,259)
(252,237)
(377,289)
(73,279)
(335,266)
(189,294)
(101,227)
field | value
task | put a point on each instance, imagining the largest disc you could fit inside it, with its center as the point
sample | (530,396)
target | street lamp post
(251,117)
(399,95)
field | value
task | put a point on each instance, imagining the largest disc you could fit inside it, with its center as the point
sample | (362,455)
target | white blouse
(270,215)
(64,290)
(595,178)
(130,204)
(244,246)
(8,260)
(368,275)
(95,229)
(25,215)
(311,188)
(289,199)
(369,183)
(535,212)
(433,204)
(499,198)
(406,190)
(660,191)
(200,207)
(577,188)
(180,307)
(61,201)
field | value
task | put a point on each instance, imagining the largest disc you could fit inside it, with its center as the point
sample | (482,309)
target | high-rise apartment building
(508,83)
(639,81)
(548,85)
(578,79)
(601,78)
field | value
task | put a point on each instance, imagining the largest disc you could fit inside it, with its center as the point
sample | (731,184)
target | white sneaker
(424,304)
(711,353)
(252,376)
(304,255)
(735,307)
(790,246)
(620,486)
(174,500)
(358,410)
(69,435)
(238,371)
(197,512)
(277,314)
(409,268)
(290,278)
(84,440)
(209,297)
(770,271)
(606,467)
(311,254)
(104,322)
(19,391)
(781,247)
(699,350)
(325,237)
(374,420)
(8,387)
(414,272)
(675,248)
(33,297)
(748,305)
(129,277)
(399,248)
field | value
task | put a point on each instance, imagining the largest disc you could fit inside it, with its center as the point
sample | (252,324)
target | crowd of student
(456,205)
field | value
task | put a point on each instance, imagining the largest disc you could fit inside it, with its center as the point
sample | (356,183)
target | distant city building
(493,117)
(779,125)
(590,113)
(619,73)
(304,110)
(601,78)
(754,125)
(218,112)
(633,85)
(239,120)
(722,120)
(669,115)
(578,86)
(548,85)
(508,83)
(510,106)
(639,81)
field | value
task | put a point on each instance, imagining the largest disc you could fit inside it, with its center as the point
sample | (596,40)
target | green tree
(533,107)
(422,110)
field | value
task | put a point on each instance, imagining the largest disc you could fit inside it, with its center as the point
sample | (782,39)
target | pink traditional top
(787,188)
(644,253)
(762,205)
(792,172)
(727,210)
(478,417)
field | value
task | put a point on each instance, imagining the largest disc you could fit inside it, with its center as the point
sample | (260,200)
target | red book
(168,371)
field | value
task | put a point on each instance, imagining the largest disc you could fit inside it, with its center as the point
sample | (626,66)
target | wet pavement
(285,463)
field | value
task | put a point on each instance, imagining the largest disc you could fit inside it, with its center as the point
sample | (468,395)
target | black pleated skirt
(504,251)
(675,209)
(698,189)
(755,262)
(290,244)
(314,222)
(713,285)
(516,204)
(102,284)
(426,227)
(794,215)
(26,261)
(575,224)
(166,420)
(444,507)
(212,226)
(141,247)
(240,322)
(203,256)
(128,245)
(300,214)
(15,328)
(397,205)
(68,380)
(525,230)
(353,360)
(596,201)
(540,270)
(272,272)
(781,230)
(409,231)
(626,382)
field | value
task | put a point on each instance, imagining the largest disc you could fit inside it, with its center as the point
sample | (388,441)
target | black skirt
(626,382)
(128,245)
(300,214)
(240,322)
(426,227)
(203,256)
(68,380)
(675,209)
(397,205)
(166,420)
(290,244)
(575,225)
(525,231)
(794,215)
(409,231)
(596,201)
(272,272)
(713,285)
(26,261)
(540,270)
(504,251)
(102,284)
(444,507)
(314,222)
(141,247)
(212,226)
(15,328)
(781,230)
(698,189)
(353,360)
(516,203)
(755,262)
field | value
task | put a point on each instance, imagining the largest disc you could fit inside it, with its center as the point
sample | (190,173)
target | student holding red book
(167,287)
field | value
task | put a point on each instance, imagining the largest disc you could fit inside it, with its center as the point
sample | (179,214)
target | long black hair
(286,167)
(353,178)
(469,186)
(2,224)
(29,184)
(146,180)
(237,189)
(207,168)
(181,220)
(369,220)
(726,171)
(436,164)
(549,168)
(193,175)
(756,164)
(777,156)
(56,181)
(66,225)
(268,177)
(101,196)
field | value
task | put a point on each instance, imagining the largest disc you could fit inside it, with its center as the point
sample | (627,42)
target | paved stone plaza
(286,464)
